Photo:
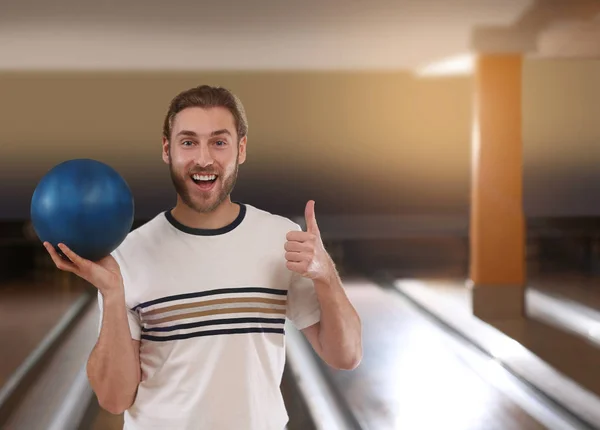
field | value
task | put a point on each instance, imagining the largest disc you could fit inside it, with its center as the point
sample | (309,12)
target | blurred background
(367,108)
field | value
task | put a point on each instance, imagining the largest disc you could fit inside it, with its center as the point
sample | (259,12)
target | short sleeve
(132,316)
(303,304)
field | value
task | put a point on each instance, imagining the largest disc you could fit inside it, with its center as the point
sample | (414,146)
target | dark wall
(354,142)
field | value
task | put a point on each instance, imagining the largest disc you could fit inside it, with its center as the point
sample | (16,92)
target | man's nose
(204,157)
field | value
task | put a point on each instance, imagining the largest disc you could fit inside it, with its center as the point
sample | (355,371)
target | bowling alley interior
(451,147)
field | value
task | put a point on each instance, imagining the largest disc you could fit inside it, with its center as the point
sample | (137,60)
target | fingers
(60,262)
(104,275)
(301,267)
(297,256)
(72,263)
(301,236)
(298,246)
(311,220)
(81,263)
(299,251)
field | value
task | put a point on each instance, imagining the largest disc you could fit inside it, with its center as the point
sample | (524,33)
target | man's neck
(222,216)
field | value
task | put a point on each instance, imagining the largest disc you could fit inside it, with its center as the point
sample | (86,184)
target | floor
(409,369)
(29,309)
(560,363)
(572,355)
(411,377)
(414,374)
(574,286)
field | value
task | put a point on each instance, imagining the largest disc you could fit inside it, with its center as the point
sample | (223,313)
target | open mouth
(204,182)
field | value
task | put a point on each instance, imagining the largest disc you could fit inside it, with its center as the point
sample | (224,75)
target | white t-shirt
(209,307)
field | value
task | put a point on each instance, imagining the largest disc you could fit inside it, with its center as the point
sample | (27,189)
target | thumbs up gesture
(305,253)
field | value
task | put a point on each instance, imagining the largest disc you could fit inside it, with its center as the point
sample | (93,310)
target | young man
(194,301)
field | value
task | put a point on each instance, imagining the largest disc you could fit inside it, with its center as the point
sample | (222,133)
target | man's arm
(337,337)
(113,367)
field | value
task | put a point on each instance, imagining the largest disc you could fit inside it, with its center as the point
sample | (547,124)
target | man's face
(203,156)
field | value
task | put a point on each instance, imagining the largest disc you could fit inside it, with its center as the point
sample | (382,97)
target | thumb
(311,220)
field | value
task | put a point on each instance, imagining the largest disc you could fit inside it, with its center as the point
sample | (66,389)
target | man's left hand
(305,252)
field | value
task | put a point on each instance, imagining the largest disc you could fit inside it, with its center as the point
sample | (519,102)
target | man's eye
(185,142)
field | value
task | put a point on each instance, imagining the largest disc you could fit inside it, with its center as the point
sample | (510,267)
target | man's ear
(242,150)
(166,151)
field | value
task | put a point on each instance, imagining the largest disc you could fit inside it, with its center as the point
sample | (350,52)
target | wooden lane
(570,285)
(29,309)
(411,378)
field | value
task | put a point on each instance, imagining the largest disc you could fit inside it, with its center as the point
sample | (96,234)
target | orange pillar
(497,230)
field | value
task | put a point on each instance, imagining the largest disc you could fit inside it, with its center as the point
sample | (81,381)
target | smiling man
(194,301)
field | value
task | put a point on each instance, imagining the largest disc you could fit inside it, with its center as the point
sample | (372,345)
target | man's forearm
(113,367)
(340,333)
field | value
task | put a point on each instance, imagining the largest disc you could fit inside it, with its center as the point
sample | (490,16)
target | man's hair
(206,96)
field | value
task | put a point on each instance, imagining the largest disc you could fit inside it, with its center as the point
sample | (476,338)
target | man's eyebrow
(194,134)
(218,132)
(187,133)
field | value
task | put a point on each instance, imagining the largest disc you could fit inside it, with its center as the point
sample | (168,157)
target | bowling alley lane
(415,374)
(33,310)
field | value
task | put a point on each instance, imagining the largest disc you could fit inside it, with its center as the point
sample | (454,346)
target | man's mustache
(203,172)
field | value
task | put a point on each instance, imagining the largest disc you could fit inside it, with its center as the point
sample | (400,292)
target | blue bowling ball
(84,204)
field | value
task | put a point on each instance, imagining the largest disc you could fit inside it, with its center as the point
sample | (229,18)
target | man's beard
(182,189)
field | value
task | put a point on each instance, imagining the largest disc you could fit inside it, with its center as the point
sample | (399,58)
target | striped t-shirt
(209,307)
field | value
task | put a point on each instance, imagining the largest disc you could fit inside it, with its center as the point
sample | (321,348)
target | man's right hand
(104,274)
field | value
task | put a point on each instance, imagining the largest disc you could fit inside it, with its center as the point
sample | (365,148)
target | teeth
(197,177)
